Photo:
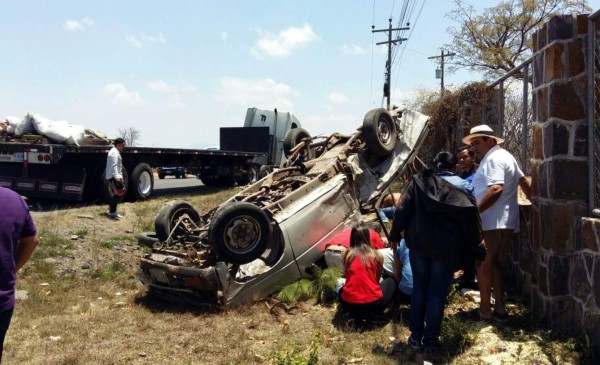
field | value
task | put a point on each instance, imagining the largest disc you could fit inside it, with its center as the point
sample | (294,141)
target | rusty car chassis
(272,232)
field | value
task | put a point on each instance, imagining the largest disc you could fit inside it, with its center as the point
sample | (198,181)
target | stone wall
(555,258)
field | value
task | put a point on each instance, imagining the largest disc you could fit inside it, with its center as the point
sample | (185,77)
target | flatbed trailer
(76,173)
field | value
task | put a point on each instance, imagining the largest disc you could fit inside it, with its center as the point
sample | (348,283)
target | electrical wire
(372,54)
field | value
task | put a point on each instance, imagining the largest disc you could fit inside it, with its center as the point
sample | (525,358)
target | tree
(130,135)
(498,39)
(418,97)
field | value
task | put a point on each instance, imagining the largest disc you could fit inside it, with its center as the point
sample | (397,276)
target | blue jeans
(431,284)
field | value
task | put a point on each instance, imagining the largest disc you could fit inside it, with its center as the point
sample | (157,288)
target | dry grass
(101,315)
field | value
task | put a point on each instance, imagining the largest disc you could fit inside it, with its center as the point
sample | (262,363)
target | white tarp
(58,131)
(10,124)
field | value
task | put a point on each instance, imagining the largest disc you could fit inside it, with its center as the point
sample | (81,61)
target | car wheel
(379,132)
(293,138)
(147,239)
(141,182)
(240,232)
(161,176)
(169,214)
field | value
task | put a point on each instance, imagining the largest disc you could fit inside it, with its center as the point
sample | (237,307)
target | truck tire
(107,192)
(161,175)
(240,232)
(379,132)
(141,183)
(264,171)
(167,217)
(293,138)
(250,177)
(147,239)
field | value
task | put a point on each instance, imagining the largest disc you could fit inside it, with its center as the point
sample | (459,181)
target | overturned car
(272,232)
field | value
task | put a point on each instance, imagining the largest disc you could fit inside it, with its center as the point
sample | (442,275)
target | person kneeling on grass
(362,295)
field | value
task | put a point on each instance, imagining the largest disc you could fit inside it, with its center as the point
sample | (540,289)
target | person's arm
(397,264)
(379,261)
(25,249)
(490,197)
(525,184)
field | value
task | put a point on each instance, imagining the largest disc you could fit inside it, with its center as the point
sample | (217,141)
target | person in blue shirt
(466,163)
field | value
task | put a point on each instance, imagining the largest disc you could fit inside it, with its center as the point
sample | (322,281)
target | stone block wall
(556,256)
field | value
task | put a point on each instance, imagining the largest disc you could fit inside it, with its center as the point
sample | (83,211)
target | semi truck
(76,173)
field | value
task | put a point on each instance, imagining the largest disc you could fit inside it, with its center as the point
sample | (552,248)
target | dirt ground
(85,305)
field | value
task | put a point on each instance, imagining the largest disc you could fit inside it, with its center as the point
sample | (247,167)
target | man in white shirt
(495,183)
(114,175)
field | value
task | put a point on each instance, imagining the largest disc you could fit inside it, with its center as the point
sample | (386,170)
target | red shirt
(343,239)
(362,282)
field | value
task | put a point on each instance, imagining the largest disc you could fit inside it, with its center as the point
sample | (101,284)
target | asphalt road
(168,186)
(171,186)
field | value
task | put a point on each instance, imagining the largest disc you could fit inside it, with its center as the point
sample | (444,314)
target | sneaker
(414,344)
(115,216)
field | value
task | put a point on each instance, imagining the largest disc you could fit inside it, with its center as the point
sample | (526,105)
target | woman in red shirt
(363,295)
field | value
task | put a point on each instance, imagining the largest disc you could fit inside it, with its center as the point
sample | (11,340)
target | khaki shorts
(498,241)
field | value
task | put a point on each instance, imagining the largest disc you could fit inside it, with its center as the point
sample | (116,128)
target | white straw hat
(482,130)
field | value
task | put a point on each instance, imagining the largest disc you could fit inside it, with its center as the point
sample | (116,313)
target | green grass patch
(124,238)
(291,354)
(52,244)
(305,289)
(81,232)
(107,244)
(109,272)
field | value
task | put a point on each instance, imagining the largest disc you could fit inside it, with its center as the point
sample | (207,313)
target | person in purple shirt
(18,240)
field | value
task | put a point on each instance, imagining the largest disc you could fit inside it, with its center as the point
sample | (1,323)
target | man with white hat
(495,185)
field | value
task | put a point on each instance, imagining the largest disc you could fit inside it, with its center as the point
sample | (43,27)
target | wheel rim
(242,234)
(252,175)
(182,212)
(145,183)
(384,133)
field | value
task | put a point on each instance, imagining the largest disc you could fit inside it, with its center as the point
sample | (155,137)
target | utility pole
(441,57)
(388,65)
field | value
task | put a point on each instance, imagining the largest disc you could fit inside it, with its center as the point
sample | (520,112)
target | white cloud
(164,87)
(263,93)
(224,36)
(175,102)
(120,95)
(73,25)
(337,98)
(160,38)
(133,41)
(138,42)
(352,49)
(282,44)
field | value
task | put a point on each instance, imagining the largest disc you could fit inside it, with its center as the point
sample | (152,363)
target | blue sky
(179,70)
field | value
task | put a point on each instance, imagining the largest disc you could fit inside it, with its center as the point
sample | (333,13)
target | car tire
(141,183)
(107,192)
(161,176)
(293,138)
(242,221)
(168,215)
(379,132)
(148,239)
